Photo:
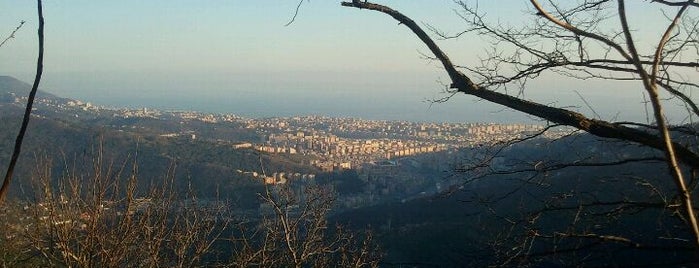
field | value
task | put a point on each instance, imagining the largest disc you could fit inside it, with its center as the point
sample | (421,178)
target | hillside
(568,206)
(64,138)
(10,85)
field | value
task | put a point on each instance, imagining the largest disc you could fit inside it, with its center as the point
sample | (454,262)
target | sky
(238,56)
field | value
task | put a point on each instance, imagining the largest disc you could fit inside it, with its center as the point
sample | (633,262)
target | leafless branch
(28,110)
(679,3)
(296,13)
(570,42)
(12,34)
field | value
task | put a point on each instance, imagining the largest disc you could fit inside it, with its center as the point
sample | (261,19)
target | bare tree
(566,38)
(30,102)
(295,233)
(102,218)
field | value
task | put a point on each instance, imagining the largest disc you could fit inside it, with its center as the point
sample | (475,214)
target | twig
(12,34)
(296,13)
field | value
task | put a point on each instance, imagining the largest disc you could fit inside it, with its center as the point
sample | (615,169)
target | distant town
(332,143)
(394,159)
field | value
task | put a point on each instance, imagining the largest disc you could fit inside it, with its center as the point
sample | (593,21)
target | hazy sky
(217,37)
(136,52)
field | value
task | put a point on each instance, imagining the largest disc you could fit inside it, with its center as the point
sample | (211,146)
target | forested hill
(69,138)
(10,85)
(545,194)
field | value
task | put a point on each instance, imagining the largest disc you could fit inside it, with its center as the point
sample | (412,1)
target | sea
(409,101)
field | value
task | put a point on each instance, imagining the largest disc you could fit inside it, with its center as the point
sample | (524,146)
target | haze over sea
(392,98)
(238,57)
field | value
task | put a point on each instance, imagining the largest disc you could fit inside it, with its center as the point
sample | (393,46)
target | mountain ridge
(12,85)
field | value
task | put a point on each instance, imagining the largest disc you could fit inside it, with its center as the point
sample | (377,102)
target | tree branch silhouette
(568,55)
(560,116)
(27,112)
(12,34)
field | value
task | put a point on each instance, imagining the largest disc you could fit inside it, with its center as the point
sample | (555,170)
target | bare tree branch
(680,3)
(556,115)
(296,13)
(650,86)
(28,110)
(12,34)
(563,51)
